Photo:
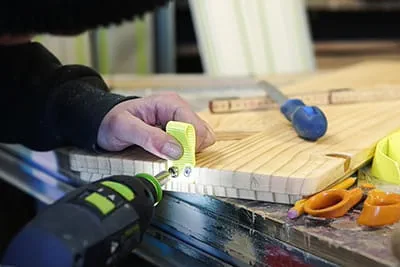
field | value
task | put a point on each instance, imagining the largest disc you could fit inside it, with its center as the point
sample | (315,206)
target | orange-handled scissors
(323,199)
(379,208)
(333,203)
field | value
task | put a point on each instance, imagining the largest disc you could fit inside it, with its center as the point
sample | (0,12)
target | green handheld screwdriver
(99,223)
(94,225)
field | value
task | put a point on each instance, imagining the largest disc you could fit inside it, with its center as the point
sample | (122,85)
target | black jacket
(69,16)
(44,104)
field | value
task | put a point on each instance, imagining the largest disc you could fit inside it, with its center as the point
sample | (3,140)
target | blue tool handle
(309,122)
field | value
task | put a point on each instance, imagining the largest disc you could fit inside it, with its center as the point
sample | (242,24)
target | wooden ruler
(331,97)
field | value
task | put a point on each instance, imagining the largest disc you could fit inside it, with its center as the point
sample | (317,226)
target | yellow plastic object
(365,177)
(386,162)
(185,134)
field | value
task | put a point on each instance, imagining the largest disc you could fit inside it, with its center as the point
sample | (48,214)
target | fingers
(205,136)
(171,106)
(133,123)
(124,130)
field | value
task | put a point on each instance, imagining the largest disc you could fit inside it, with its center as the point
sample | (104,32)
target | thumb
(134,131)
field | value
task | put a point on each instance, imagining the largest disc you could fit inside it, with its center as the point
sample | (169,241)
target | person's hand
(139,122)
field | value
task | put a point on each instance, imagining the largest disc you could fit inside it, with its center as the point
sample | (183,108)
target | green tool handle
(95,225)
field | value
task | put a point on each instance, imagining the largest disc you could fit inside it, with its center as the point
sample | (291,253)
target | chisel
(309,122)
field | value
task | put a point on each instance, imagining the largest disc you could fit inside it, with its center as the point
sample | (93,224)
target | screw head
(187,171)
(174,172)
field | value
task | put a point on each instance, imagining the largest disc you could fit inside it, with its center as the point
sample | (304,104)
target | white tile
(211,177)
(92,162)
(175,186)
(247,194)
(81,162)
(259,182)
(294,186)
(294,198)
(148,168)
(84,176)
(282,198)
(264,196)
(278,184)
(202,178)
(200,189)
(192,188)
(226,178)
(209,190)
(116,165)
(184,187)
(128,166)
(231,192)
(241,180)
(156,168)
(139,166)
(104,165)
(219,191)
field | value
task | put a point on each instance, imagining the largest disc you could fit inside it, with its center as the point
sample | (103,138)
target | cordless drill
(94,225)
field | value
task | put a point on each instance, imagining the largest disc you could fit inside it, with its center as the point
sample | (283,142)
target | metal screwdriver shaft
(164,176)
(309,122)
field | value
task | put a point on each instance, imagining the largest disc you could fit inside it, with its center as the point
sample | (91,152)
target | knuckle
(153,140)
(171,94)
(115,122)
(148,140)
(184,114)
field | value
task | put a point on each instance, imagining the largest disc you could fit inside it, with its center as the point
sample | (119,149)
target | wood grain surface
(276,160)
(363,76)
(271,163)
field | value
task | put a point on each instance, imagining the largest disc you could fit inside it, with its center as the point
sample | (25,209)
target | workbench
(216,231)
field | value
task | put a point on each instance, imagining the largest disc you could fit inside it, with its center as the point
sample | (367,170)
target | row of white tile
(114,165)
(177,185)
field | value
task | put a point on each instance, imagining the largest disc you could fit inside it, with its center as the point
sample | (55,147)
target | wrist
(79,119)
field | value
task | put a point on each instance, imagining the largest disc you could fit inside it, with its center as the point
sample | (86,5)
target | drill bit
(164,176)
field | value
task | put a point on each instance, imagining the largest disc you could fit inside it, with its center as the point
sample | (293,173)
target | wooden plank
(283,163)
(274,162)
(363,76)
(267,161)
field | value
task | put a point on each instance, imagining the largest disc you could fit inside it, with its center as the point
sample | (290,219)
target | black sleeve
(46,105)
(68,16)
